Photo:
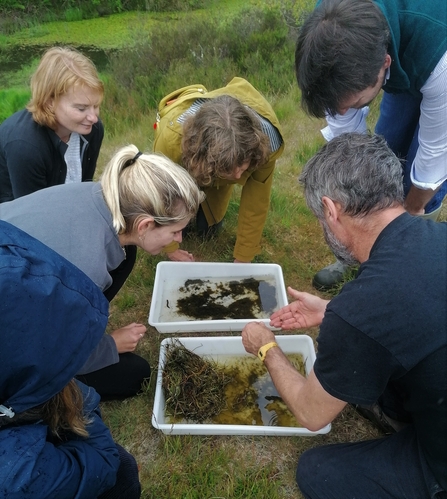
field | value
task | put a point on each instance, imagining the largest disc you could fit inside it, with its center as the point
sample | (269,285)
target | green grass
(206,467)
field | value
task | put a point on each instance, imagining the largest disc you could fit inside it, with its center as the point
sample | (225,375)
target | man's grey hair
(359,171)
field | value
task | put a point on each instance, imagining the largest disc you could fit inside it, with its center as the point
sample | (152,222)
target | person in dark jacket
(57,138)
(53,442)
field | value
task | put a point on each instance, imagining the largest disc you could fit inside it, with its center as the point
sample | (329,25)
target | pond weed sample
(248,298)
(193,385)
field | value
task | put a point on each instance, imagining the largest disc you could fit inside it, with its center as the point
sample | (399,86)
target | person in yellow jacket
(223,137)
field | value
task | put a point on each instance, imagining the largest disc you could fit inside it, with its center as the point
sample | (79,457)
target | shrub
(73,14)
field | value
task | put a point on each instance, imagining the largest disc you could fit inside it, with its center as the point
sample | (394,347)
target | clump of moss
(193,385)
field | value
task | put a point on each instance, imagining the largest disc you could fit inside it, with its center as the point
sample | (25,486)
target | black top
(32,156)
(387,331)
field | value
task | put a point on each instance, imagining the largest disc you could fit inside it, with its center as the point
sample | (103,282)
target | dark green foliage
(193,385)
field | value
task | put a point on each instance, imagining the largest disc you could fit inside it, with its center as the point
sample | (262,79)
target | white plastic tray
(170,277)
(213,347)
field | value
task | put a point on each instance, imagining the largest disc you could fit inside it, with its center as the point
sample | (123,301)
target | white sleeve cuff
(425,185)
(354,120)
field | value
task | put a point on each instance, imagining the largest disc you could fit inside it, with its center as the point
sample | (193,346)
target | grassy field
(208,467)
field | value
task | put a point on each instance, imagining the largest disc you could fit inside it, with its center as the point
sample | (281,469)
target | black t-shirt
(387,332)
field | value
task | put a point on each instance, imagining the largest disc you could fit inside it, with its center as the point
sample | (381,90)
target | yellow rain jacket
(256,186)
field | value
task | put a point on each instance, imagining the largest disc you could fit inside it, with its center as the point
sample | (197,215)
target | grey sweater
(74,220)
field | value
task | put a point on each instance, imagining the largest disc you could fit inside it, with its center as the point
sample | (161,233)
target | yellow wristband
(262,352)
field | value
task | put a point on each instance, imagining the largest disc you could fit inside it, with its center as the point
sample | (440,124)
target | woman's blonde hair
(59,70)
(221,136)
(137,185)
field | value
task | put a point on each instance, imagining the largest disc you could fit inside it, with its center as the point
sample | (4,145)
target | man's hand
(180,256)
(306,311)
(127,338)
(255,335)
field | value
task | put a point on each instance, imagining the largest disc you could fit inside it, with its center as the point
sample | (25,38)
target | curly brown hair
(223,135)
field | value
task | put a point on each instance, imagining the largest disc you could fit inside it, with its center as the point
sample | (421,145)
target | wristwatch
(262,352)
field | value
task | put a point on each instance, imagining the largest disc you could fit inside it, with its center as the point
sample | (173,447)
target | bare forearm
(305,397)
(417,199)
(287,380)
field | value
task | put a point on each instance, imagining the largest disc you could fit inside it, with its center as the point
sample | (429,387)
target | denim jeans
(385,468)
(399,124)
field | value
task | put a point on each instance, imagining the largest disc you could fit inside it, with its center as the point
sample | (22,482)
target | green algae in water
(250,395)
(248,298)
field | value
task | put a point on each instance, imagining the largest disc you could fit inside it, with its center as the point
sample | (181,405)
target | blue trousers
(385,468)
(399,124)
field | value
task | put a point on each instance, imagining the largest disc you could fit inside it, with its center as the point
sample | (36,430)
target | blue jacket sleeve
(77,468)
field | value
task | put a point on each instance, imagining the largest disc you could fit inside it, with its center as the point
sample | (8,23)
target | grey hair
(359,171)
(136,186)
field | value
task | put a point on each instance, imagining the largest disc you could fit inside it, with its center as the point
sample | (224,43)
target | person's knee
(307,473)
(138,371)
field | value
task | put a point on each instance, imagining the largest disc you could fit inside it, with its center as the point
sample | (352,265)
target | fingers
(138,330)
(289,324)
(285,321)
(284,313)
(181,256)
(128,337)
